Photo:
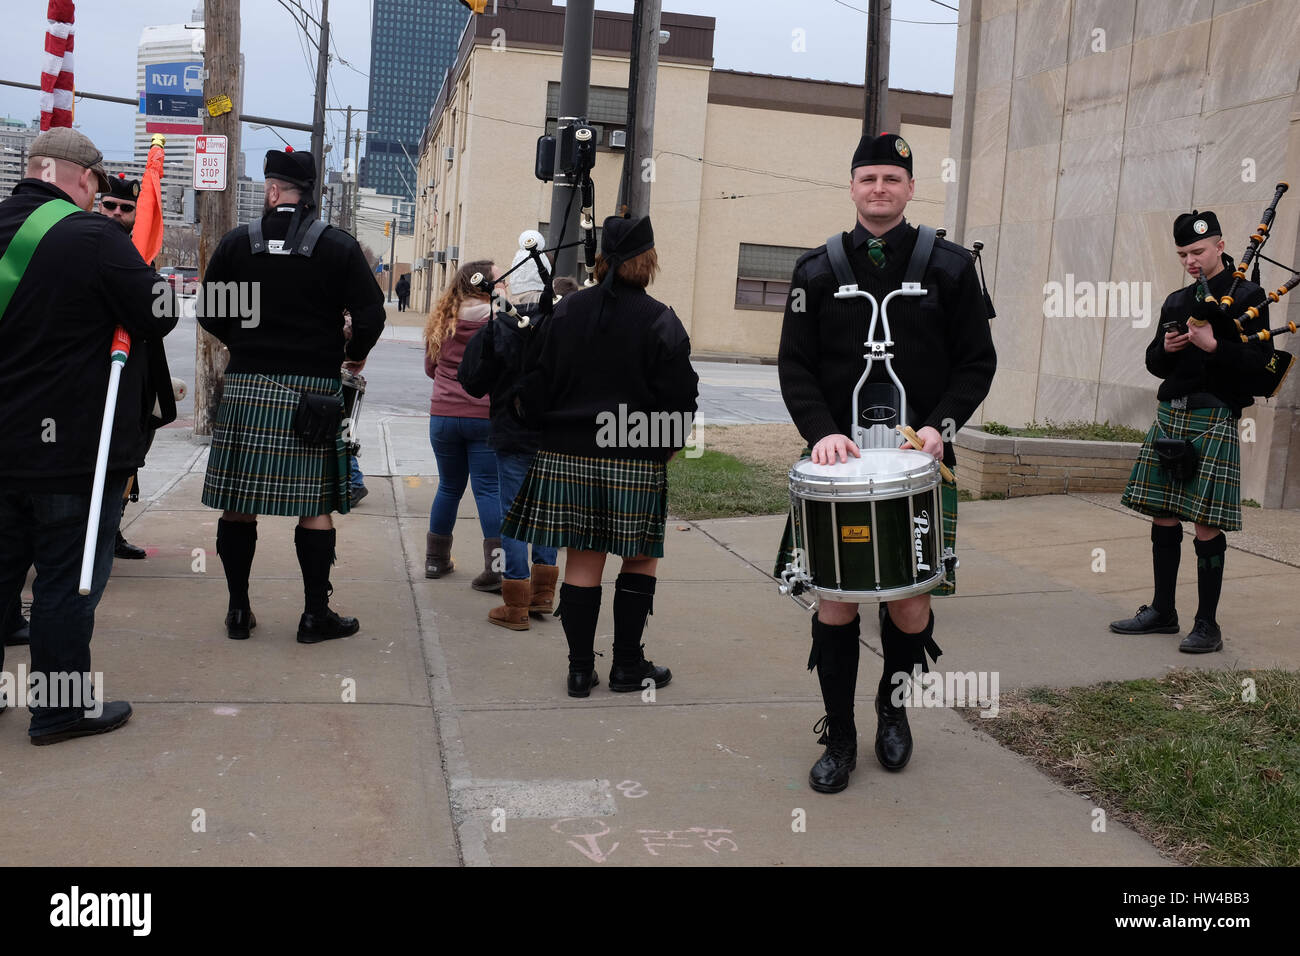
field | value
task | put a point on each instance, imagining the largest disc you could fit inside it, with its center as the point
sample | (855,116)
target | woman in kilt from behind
(292,345)
(610,359)
(1206,372)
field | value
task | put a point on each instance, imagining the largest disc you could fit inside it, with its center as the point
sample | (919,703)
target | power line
(935,23)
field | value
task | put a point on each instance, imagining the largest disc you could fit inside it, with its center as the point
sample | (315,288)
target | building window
(763,276)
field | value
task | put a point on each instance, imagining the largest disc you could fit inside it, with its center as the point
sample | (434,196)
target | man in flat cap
(67,279)
(1189,468)
(278,444)
(944,356)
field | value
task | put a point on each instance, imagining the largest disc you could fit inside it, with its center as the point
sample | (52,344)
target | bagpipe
(1266,380)
(975,249)
(575,153)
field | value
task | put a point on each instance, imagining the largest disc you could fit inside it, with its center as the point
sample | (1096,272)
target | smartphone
(1174,327)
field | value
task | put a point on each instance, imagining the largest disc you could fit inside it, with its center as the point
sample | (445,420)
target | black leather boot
(315,555)
(578,612)
(633,602)
(835,653)
(902,651)
(830,774)
(236,545)
(125,549)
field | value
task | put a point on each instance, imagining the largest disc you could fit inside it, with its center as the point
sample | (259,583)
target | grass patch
(1078,430)
(1250,503)
(720,486)
(1207,777)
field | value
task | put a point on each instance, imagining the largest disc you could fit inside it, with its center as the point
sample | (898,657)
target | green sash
(19,254)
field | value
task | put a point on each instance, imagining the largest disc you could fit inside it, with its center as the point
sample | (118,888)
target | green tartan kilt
(615,505)
(258,465)
(1212,496)
(947,501)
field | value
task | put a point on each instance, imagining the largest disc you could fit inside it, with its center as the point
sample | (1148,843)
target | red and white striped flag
(56,76)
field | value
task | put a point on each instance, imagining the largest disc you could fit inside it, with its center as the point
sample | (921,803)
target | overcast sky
(757,36)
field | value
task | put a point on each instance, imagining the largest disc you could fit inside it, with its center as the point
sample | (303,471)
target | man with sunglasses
(119,204)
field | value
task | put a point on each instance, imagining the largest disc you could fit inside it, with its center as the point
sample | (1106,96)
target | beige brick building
(750,170)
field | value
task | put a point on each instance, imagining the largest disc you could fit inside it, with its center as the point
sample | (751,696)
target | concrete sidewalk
(461,745)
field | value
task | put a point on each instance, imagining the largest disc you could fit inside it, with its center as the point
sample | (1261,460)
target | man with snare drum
(944,357)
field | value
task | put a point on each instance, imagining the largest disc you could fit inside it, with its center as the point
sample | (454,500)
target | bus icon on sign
(193,79)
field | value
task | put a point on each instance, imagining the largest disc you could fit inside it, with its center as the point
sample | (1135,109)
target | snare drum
(867,530)
(354,390)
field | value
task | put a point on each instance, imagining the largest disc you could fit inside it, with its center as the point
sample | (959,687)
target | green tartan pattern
(258,465)
(947,502)
(1213,496)
(614,505)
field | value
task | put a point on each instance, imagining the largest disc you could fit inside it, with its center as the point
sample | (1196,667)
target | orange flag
(147,233)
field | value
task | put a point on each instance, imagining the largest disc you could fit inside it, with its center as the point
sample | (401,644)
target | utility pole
(575,82)
(318,115)
(875,107)
(217,208)
(353,189)
(640,151)
(392,256)
(347,170)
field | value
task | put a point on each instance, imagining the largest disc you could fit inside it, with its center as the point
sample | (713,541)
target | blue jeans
(461,448)
(511,471)
(49,531)
(355,478)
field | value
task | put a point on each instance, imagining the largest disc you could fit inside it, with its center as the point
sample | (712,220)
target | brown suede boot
(490,579)
(514,614)
(437,555)
(543,581)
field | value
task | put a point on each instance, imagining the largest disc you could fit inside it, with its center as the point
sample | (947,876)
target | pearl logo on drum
(921,527)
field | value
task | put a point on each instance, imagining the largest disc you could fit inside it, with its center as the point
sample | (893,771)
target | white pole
(121,349)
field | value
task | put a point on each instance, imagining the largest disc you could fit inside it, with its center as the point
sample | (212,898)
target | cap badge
(1200,227)
(900,144)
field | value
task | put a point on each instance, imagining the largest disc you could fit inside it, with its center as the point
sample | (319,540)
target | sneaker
(1205,637)
(1147,621)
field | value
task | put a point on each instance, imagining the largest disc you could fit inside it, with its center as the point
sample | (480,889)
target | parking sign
(209,162)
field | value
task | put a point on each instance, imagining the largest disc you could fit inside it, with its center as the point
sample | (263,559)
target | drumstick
(911,436)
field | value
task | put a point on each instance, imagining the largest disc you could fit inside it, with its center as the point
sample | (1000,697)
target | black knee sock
(236,544)
(903,651)
(315,555)
(835,654)
(1166,551)
(578,611)
(634,596)
(1209,575)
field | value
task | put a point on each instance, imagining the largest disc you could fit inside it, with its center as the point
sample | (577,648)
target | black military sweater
(943,350)
(298,329)
(84,279)
(605,367)
(1223,372)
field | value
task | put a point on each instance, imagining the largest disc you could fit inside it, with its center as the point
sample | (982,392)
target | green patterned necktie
(876,251)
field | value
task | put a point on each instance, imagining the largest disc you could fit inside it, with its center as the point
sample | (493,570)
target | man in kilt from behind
(1205,370)
(299,276)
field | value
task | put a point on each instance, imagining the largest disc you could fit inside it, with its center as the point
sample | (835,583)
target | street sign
(173,97)
(210,162)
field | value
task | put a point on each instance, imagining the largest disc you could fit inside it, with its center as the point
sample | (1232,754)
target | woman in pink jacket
(459,428)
